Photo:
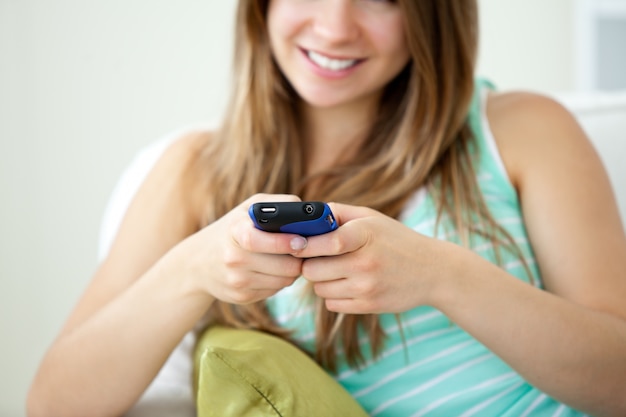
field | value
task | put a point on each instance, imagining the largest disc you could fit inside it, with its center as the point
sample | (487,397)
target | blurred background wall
(84,84)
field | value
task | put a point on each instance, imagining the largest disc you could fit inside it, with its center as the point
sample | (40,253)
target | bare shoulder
(162,213)
(532,128)
(165,208)
(510,105)
(530,114)
(183,149)
(567,202)
(172,182)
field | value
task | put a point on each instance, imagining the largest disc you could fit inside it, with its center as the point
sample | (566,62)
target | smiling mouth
(331,64)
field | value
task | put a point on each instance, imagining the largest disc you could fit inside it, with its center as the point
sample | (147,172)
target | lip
(327,73)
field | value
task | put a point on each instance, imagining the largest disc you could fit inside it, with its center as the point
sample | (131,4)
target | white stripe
(414,202)
(365,341)
(518,263)
(489,245)
(427,385)
(495,198)
(427,227)
(559,411)
(534,405)
(305,338)
(351,371)
(450,397)
(415,320)
(488,135)
(510,220)
(448,235)
(485,176)
(490,401)
(390,377)
(284,318)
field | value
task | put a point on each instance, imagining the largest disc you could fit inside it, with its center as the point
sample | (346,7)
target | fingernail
(298,243)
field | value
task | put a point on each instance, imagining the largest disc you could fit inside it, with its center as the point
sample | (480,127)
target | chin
(331,99)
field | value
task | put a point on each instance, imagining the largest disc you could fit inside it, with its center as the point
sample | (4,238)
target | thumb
(345,213)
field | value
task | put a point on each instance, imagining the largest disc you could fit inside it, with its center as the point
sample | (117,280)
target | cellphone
(304,218)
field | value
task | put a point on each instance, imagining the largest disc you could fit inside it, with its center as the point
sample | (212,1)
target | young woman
(480,252)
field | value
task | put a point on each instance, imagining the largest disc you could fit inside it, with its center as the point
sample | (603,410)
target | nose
(336,21)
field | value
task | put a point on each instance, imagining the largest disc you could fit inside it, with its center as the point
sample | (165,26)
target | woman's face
(336,52)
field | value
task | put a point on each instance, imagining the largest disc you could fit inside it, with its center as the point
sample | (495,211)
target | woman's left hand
(371,263)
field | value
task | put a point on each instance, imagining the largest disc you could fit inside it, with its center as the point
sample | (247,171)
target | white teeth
(331,64)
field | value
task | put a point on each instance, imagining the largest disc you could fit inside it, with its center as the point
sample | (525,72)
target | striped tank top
(429,366)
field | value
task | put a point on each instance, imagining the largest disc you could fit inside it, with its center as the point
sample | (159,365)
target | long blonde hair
(421,136)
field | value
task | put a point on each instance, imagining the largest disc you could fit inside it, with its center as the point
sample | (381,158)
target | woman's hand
(237,263)
(371,263)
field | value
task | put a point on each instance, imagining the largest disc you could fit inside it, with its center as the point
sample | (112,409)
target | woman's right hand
(235,262)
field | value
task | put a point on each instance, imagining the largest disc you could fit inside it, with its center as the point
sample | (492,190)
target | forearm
(574,354)
(101,367)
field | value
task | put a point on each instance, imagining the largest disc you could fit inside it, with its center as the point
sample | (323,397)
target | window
(601,44)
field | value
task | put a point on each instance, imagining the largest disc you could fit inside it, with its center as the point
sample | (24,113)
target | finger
(242,261)
(247,297)
(335,268)
(346,239)
(345,213)
(338,288)
(256,281)
(251,239)
(280,266)
(246,286)
(324,269)
(338,298)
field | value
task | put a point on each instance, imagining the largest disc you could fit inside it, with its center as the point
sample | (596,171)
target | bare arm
(161,276)
(109,328)
(570,340)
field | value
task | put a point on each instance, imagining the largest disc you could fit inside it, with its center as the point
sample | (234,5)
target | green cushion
(243,373)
